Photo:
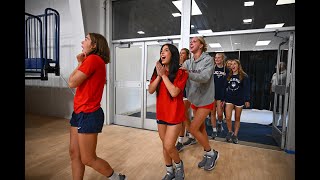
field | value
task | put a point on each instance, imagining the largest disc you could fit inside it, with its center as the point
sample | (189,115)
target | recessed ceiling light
(194,11)
(263,43)
(176,41)
(205,31)
(192,26)
(280,2)
(274,25)
(140,32)
(236,43)
(247,21)
(176,14)
(215,45)
(249,3)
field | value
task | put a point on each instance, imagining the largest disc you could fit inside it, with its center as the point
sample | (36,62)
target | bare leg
(229,108)
(197,127)
(168,136)
(187,108)
(213,116)
(238,111)
(88,144)
(220,110)
(77,166)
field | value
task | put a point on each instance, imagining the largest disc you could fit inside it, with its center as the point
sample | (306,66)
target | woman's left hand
(161,70)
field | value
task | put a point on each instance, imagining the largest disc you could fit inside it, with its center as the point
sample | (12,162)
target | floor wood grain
(138,154)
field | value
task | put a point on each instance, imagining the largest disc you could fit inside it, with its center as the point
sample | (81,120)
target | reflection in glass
(128,101)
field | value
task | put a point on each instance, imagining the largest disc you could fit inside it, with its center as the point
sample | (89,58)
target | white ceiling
(247,41)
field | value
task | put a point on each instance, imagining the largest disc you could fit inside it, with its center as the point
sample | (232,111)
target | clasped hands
(161,70)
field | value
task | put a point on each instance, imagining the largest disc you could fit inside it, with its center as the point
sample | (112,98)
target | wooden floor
(138,154)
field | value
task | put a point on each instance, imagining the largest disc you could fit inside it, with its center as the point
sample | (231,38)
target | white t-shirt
(281,80)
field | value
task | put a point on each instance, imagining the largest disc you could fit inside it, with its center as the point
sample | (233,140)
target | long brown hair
(241,73)
(102,48)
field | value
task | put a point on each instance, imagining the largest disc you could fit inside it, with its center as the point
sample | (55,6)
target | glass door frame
(124,120)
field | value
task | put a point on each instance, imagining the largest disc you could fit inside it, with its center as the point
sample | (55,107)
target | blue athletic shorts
(88,122)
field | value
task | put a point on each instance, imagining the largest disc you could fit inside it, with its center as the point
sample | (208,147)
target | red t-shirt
(89,92)
(171,110)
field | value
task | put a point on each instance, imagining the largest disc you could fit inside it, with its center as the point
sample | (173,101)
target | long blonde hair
(224,57)
(241,73)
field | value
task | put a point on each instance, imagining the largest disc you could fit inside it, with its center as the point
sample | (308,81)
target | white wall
(53,97)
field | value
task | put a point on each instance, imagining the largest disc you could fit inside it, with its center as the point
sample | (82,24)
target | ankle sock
(169,168)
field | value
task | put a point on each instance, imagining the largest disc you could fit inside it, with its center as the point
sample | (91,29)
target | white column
(77,28)
(185,24)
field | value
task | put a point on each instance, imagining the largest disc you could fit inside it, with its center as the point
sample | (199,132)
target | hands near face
(247,104)
(161,70)
(81,57)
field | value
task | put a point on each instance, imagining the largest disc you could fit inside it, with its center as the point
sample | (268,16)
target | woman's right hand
(81,57)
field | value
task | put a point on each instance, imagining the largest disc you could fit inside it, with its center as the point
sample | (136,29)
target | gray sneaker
(234,139)
(190,141)
(203,161)
(122,177)
(211,161)
(219,127)
(168,176)
(214,134)
(179,146)
(228,137)
(179,174)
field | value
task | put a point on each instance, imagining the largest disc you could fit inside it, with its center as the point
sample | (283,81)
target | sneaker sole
(201,167)
(192,143)
(181,149)
(214,165)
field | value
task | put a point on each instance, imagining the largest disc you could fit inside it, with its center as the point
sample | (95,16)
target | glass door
(152,55)
(133,67)
(128,92)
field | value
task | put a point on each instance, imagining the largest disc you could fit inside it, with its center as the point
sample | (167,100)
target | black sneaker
(219,127)
(179,146)
(228,137)
(234,139)
(214,134)
(122,177)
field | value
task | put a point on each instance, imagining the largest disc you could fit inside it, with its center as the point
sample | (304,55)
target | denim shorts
(88,122)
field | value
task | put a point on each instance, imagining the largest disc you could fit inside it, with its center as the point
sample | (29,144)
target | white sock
(115,176)
(210,153)
(169,168)
(214,129)
(180,139)
(179,164)
(190,136)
